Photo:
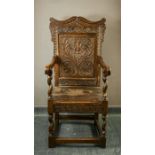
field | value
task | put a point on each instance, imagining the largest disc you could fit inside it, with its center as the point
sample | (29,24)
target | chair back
(77,43)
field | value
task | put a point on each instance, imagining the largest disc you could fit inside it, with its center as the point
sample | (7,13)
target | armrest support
(106,72)
(48,71)
(48,67)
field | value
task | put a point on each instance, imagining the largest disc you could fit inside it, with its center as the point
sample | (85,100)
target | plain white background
(17,77)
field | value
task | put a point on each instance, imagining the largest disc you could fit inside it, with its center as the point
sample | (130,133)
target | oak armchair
(77,89)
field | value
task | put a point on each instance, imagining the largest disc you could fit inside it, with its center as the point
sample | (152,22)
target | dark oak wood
(77,65)
(76,117)
(98,128)
(77,140)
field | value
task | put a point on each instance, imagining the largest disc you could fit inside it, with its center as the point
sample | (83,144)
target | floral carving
(77,55)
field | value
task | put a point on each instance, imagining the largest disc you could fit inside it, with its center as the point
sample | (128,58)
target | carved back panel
(77,42)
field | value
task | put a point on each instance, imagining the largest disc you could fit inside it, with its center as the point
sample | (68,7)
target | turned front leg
(104,123)
(56,122)
(95,118)
(51,141)
(103,132)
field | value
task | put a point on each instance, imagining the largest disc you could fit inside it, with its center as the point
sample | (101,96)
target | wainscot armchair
(77,64)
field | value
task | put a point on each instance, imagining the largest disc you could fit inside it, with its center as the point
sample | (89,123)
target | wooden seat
(78,93)
(68,99)
(77,64)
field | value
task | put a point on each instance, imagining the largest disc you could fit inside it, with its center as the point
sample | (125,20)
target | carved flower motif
(77,54)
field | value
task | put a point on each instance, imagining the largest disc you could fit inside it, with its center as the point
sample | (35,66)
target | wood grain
(77,64)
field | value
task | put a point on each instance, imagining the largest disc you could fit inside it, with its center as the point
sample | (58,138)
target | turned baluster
(105,87)
(49,73)
(103,134)
(106,72)
(49,82)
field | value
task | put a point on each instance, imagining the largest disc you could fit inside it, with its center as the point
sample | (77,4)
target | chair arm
(48,71)
(48,67)
(106,72)
(106,68)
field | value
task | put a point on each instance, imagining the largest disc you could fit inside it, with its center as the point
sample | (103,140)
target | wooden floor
(72,128)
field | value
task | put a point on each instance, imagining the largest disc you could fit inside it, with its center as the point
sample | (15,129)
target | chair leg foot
(103,132)
(51,142)
(56,121)
(103,142)
(51,138)
(95,118)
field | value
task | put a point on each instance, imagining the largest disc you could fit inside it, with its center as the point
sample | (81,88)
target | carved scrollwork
(77,24)
(77,55)
(86,68)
